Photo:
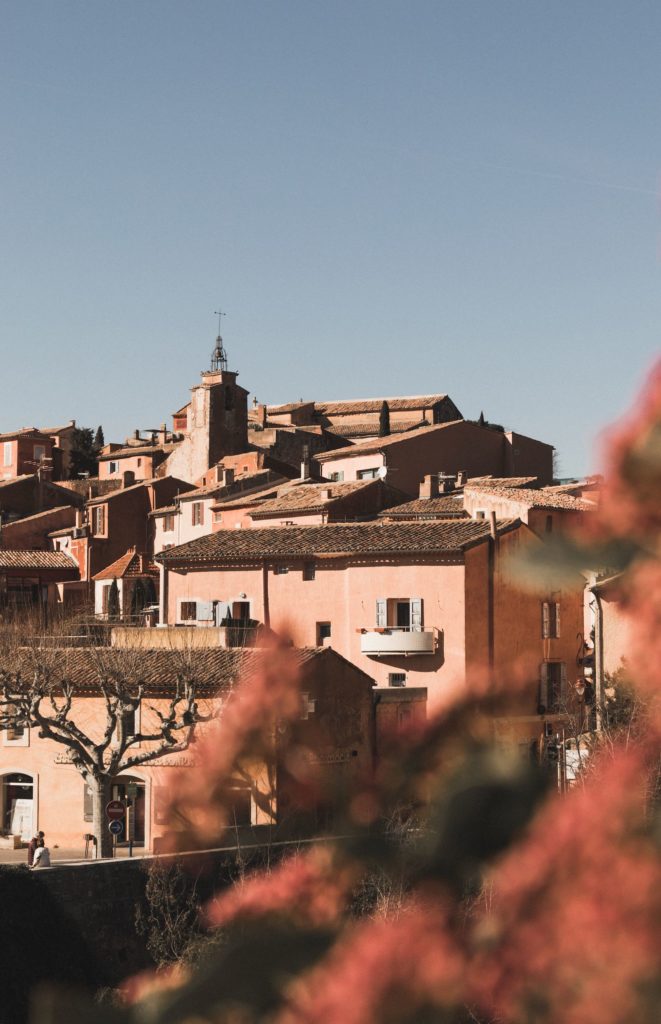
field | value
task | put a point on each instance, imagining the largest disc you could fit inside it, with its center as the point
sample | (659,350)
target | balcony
(406,641)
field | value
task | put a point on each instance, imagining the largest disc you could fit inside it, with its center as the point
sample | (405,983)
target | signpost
(115,810)
(115,813)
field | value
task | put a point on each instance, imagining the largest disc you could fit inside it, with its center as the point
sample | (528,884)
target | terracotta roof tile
(127,565)
(501,481)
(444,507)
(36,560)
(532,498)
(213,669)
(365,539)
(401,403)
(309,497)
(351,429)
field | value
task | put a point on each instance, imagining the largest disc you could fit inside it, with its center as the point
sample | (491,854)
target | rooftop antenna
(219,355)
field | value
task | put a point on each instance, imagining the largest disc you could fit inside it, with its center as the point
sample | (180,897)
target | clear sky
(386,197)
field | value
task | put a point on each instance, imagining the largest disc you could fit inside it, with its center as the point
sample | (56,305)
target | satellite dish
(382,472)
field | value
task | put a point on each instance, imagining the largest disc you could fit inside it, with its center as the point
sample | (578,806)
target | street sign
(115,810)
(116,827)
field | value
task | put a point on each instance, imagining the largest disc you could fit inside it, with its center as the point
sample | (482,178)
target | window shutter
(544,686)
(416,614)
(221,611)
(88,807)
(546,620)
(556,631)
(204,611)
(563,684)
(381,612)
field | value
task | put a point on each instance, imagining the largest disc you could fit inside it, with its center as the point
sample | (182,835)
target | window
(308,706)
(323,632)
(139,462)
(113,467)
(309,570)
(399,613)
(480,513)
(550,619)
(218,517)
(105,594)
(38,452)
(397,679)
(188,611)
(7,453)
(553,687)
(99,520)
(337,476)
(168,522)
(281,570)
(197,513)
(367,474)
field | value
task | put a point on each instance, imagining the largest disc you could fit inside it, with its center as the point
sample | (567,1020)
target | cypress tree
(384,420)
(113,601)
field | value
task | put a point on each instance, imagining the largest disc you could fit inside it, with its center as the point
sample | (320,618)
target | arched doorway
(132,789)
(18,805)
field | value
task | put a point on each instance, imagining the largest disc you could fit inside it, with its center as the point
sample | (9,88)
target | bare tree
(44,687)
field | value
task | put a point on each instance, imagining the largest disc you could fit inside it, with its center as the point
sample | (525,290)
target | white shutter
(416,614)
(204,611)
(221,610)
(381,612)
(544,686)
(546,620)
(556,631)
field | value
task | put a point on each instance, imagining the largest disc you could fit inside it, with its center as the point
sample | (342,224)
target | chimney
(136,434)
(128,478)
(429,486)
(492,525)
(163,433)
(462,478)
(325,493)
(261,415)
(305,462)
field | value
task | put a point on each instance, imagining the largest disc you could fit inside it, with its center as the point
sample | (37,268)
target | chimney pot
(462,477)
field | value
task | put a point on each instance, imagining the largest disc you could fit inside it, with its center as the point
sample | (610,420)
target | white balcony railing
(390,640)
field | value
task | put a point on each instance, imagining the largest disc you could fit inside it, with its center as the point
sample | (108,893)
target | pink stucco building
(415,604)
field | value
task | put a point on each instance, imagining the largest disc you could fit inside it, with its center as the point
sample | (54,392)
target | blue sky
(387,198)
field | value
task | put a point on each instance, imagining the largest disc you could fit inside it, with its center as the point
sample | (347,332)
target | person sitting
(32,846)
(41,856)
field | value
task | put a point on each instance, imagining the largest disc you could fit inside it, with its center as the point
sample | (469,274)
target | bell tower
(217,419)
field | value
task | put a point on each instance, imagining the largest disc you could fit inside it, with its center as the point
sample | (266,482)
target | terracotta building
(414,604)
(447,448)
(41,789)
(24,452)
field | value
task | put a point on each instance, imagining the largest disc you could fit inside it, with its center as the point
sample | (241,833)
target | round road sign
(115,810)
(116,827)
